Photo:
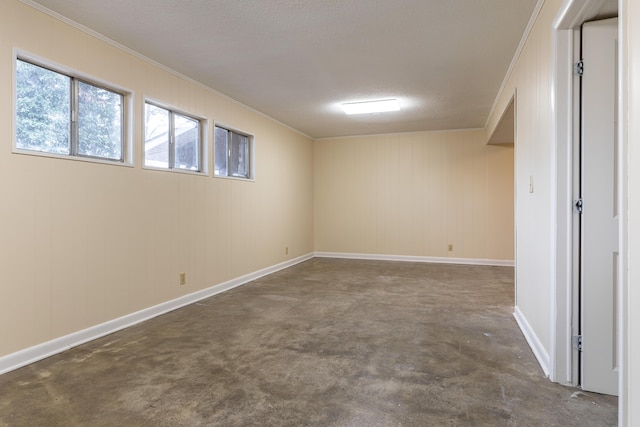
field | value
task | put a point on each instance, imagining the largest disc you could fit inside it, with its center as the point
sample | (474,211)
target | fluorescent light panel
(369,107)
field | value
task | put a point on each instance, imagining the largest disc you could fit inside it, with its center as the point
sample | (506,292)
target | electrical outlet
(286,250)
(450,247)
(183,278)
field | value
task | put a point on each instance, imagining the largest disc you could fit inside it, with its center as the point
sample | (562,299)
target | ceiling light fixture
(369,107)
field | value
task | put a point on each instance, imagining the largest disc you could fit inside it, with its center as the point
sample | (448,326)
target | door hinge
(576,342)
(578,68)
(579,206)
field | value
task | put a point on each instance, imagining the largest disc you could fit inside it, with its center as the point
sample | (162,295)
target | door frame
(563,361)
(565,322)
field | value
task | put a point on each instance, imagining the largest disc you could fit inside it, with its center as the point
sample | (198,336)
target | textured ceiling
(297,60)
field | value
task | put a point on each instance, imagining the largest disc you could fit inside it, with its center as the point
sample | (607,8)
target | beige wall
(82,243)
(413,194)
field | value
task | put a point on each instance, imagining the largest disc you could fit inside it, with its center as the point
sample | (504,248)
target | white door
(599,189)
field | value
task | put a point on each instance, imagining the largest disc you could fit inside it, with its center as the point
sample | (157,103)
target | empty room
(345,213)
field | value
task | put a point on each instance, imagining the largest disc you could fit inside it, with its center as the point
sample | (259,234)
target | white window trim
(127,94)
(252,153)
(204,138)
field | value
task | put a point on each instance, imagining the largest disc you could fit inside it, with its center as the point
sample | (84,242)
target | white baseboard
(41,351)
(30,355)
(534,342)
(410,258)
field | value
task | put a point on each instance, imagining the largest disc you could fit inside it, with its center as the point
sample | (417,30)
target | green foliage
(43,109)
(99,122)
(43,121)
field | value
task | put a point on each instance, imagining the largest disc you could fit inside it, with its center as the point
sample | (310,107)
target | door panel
(600,218)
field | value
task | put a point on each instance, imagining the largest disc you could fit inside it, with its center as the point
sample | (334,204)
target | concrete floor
(324,343)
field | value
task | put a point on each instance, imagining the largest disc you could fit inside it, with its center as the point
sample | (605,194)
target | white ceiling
(297,60)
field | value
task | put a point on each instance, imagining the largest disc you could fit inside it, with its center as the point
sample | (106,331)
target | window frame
(76,77)
(203,156)
(251,157)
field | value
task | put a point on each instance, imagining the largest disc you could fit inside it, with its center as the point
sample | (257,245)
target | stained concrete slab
(325,343)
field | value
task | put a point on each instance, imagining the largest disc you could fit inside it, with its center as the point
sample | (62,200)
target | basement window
(61,114)
(173,140)
(233,153)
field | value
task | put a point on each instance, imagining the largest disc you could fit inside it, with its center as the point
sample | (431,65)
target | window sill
(74,158)
(234,178)
(182,171)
